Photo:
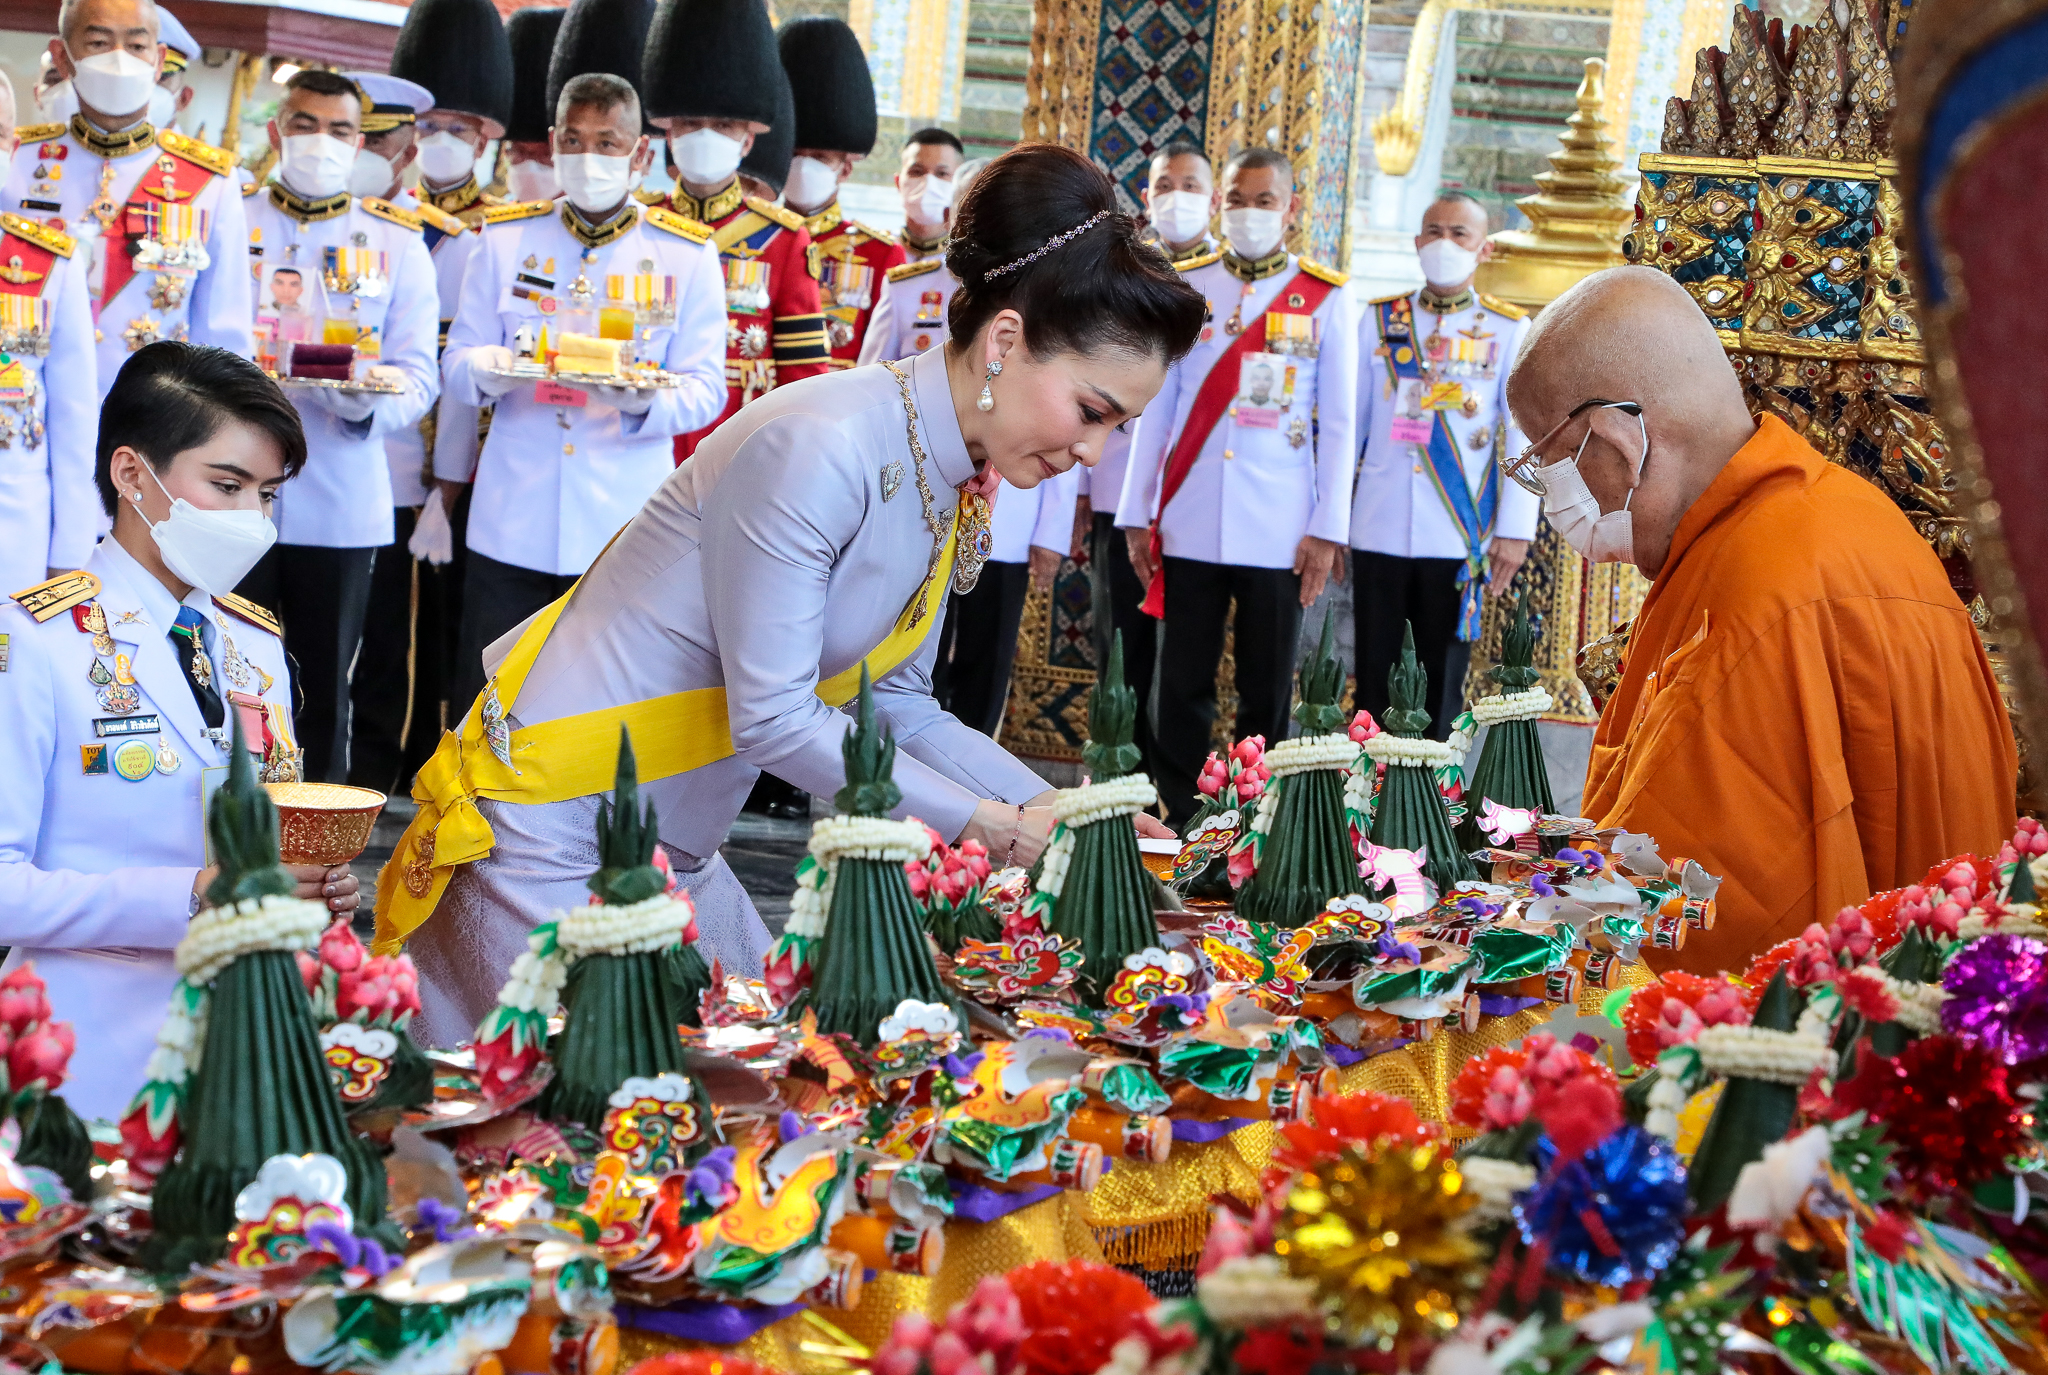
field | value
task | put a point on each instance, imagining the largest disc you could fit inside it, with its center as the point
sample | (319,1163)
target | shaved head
(1632,334)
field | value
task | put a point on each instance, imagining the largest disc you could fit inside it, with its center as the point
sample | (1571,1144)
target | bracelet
(1016,834)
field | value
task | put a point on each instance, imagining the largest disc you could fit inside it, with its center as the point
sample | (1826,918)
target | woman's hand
(1151,827)
(337,886)
(1012,837)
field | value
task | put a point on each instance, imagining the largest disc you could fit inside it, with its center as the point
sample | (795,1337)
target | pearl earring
(988,400)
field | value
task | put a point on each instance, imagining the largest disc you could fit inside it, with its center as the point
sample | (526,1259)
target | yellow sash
(576,756)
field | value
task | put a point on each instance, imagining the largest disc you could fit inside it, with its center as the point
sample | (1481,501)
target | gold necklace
(972,516)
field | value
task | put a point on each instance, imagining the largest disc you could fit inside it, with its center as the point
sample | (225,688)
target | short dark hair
(1457,197)
(1251,159)
(1104,288)
(326,83)
(601,90)
(172,396)
(934,134)
(1181,148)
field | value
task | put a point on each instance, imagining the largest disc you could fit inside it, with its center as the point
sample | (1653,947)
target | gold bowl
(1157,856)
(323,823)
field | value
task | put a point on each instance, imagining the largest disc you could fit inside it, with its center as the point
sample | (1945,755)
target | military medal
(93,621)
(232,663)
(202,671)
(119,700)
(124,672)
(976,540)
(98,674)
(135,761)
(167,760)
(103,208)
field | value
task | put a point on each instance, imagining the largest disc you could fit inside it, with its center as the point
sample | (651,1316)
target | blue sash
(1474,519)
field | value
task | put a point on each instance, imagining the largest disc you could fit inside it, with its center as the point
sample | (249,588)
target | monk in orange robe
(1804,706)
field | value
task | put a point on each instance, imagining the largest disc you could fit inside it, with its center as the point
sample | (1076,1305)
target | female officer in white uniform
(814,531)
(116,681)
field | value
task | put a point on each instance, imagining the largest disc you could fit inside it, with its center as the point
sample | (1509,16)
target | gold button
(1418,467)
(1233,412)
(1228,454)
(571,448)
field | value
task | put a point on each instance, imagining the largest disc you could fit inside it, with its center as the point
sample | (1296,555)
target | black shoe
(772,797)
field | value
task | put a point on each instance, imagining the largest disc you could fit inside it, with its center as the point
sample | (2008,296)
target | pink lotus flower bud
(339,948)
(309,970)
(950,1356)
(913,1331)
(1948,918)
(1240,866)
(938,841)
(1851,938)
(1229,1239)
(1960,878)
(1721,1006)
(1249,787)
(1363,727)
(898,1360)
(1677,1024)
(23,1000)
(1249,751)
(40,1059)
(920,879)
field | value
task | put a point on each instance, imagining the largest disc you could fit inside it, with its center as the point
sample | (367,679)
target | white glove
(350,407)
(631,400)
(433,538)
(489,364)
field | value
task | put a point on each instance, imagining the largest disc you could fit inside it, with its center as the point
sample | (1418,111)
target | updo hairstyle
(1105,288)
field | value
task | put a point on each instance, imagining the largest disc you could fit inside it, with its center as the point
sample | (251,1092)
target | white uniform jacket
(101,832)
(449,240)
(176,275)
(1039,517)
(910,317)
(49,404)
(1396,506)
(1103,484)
(556,481)
(768,562)
(1277,466)
(363,264)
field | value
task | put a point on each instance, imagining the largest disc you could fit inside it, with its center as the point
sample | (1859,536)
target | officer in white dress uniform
(565,466)
(808,535)
(158,215)
(1241,471)
(117,682)
(1031,530)
(335,273)
(925,180)
(910,313)
(1432,522)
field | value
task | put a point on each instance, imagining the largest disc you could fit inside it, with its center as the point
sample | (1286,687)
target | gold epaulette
(37,133)
(1389,300)
(41,235)
(1324,274)
(523,210)
(250,188)
(249,611)
(440,219)
(879,235)
(218,161)
(59,594)
(647,197)
(385,210)
(682,226)
(1500,307)
(1199,260)
(916,269)
(787,218)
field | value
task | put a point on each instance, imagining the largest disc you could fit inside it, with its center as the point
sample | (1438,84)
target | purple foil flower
(439,1218)
(1179,1011)
(1392,947)
(1541,886)
(791,1126)
(710,1182)
(1998,996)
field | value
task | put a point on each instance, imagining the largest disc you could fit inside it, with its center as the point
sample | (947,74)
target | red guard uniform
(774,329)
(851,262)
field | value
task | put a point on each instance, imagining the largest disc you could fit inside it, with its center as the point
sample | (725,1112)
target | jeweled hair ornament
(1048,246)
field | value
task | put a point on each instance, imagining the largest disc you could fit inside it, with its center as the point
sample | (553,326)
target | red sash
(1217,391)
(187,179)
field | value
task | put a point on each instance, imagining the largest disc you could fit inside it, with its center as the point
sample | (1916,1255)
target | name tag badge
(1265,389)
(549,392)
(106,726)
(1412,423)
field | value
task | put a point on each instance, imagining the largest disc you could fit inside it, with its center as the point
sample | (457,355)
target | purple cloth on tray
(1504,1005)
(705,1320)
(979,1203)
(1199,1133)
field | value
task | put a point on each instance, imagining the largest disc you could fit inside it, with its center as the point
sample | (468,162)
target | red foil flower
(1946,1108)
(1291,1350)
(1075,1312)
(1367,1121)
(1498,1090)
(1675,1010)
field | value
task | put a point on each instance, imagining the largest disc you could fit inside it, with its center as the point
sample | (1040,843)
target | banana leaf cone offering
(971,921)
(1751,1113)
(1510,770)
(261,1087)
(873,952)
(1307,858)
(1411,813)
(55,1137)
(1096,886)
(620,999)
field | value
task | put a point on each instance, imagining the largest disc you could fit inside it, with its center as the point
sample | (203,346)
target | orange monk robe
(1805,708)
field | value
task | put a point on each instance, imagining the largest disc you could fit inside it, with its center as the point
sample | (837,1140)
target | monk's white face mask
(1572,508)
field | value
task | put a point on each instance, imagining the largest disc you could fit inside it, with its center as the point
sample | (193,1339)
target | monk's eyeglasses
(1523,466)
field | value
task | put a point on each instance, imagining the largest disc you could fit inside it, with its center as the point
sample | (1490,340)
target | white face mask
(927,199)
(115,83)
(371,175)
(706,157)
(58,103)
(212,550)
(1253,233)
(593,182)
(811,183)
(316,165)
(1180,216)
(445,158)
(163,107)
(1572,508)
(1445,264)
(532,181)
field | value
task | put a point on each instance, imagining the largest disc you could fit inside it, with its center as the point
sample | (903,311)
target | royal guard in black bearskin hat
(835,128)
(458,50)
(711,71)
(530,161)
(765,168)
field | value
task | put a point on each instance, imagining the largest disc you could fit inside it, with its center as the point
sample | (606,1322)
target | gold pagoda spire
(1576,221)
